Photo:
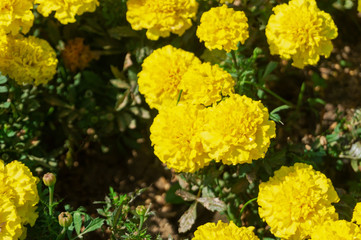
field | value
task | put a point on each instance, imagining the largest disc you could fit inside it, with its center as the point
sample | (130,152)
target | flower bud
(141,210)
(49,179)
(65,219)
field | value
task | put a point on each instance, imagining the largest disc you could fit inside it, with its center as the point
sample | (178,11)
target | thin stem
(141,222)
(51,197)
(179,96)
(234,58)
(61,235)
(272,93)
(245,205)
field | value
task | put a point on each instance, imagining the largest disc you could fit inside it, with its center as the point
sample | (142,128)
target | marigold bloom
(237,130)
(10,225)
(16,15)
(224,231)
(161,74)
(19,191)
(27,60)
(226,1)
(336,230)
(76,55)
(356,216)
(222,28)
(295,200)
(206,84)
(299,30)
(176,140)
(359,6)
(161,17)
(66,10)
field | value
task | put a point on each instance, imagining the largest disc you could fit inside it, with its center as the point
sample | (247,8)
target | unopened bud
(49,179)
(141,210)
(65,219)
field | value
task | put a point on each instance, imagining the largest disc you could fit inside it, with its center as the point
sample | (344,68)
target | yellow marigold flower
(16,15)
(336,230)
(295,200)
(66,10)
(10,224)
(356,216)
(23,193)
(161,74)
(206,84)
(359,6)
(299,30)
(176,140)
(224,231)
(76,55)
(161,17)
(28,60)
(222,28)
(237,130)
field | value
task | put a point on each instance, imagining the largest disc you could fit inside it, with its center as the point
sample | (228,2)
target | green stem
(179,96)
(51,197)
(234,58)
(141,222)
(245,205)
(272,93)
(62,233)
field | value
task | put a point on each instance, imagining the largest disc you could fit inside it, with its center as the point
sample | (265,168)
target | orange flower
(76,55)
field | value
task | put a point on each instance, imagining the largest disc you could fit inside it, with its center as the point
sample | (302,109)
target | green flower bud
(65,219)
(49,179)
(141,210)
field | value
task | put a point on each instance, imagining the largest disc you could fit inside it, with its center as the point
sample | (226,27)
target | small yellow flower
(356,216)
(224,231)
(223,28)
(301,32)
(205,84)
(66,10)
(175,135)
(161,17)
(27,60)
(161,75)
(336,230)
(16,15)
(295,200)
(237,130)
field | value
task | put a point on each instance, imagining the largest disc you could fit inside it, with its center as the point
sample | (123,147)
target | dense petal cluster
(16,15)
(161,74)
(27,60)
(299,30)
(175,135)
(237,130)
(18,199)
(66,10)
(356,216)
(224,231)
(295,200)
(206,84)
(223,28)
(161,17)
(336,230)
(77,55)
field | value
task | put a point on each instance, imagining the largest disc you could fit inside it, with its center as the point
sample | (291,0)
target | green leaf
(171,196)
(185,195)
(94,225)
(212,204)
(270,67)
(187,220)
(77,222)
(3,79)
(4,89)
(280,108)
(122,31)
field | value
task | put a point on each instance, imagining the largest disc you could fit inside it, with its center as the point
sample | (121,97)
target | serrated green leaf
(187,220)
(185,195)
(94,225)
(212,204)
